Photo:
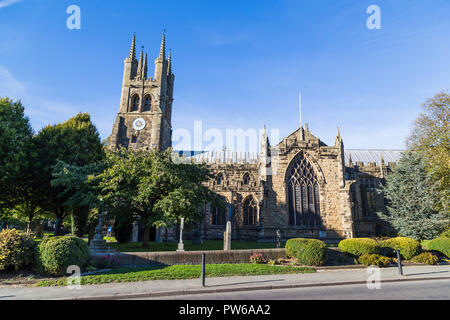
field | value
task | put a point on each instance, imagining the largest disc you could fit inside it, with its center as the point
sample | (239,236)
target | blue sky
(238,64)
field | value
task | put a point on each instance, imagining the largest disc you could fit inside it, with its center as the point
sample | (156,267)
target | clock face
(139,124)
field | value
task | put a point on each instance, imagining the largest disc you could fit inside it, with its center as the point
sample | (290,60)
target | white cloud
(5,3)
(9,86)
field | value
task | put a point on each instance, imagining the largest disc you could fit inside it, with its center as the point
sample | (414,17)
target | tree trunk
(167,236)
(146,240)
(38,229)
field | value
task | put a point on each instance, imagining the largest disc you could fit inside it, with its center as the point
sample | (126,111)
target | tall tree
(75,142)
(15,152)
(431,138)
(156,190)
(412,195)
(79,186)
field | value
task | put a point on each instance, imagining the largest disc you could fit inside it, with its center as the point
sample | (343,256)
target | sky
(237,64)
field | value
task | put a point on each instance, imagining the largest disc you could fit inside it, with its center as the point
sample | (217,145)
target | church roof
(368,155)
(357,155)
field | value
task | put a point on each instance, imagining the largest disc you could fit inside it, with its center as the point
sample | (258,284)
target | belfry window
(246,179)
(303,194)
(219,179)
(250,212)
(147,103)
(135,103)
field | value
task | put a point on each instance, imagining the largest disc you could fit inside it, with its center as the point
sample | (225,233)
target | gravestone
(135,233)
(181,244)
(278,238)
(227,237)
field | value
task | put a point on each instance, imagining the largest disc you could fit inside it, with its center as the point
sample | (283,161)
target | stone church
(300,187)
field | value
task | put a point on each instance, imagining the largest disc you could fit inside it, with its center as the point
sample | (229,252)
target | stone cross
(181,244)
(227,237)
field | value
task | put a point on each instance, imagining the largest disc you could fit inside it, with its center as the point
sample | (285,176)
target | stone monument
(227,237)
(181,244)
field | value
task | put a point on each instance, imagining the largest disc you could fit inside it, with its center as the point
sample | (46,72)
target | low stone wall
(193,257)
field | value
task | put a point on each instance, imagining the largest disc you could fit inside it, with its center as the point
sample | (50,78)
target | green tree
(75,142)
(431,138)
(412,194)
(15,146)
(157,191)
(79,186)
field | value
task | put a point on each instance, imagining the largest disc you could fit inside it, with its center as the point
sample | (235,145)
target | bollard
(399,261)
(203,268)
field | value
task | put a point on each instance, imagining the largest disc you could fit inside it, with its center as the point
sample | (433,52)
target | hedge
(310,252)
(408,247)
(374,260)
(441,245)
(359,246)
(55,254)
(16,249)
(426,257)
(445,234)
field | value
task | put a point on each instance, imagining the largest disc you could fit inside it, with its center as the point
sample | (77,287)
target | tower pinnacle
(162,51)
(132,55)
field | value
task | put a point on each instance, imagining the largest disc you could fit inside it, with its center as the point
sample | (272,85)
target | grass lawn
(180,272)
(188,246)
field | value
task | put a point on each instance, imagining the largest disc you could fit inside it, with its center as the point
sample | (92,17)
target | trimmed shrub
(441,245)
(445,234)
(16,249)
(408,247)
(359,246)
(310,252)
(426,257)
(374,260)
(54,255)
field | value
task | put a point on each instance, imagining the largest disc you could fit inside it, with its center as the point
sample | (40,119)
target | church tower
(144,118)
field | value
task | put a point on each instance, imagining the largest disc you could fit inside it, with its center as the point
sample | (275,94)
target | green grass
(180,272)
(189,246)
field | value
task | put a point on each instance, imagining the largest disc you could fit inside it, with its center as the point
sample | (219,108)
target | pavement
(176,288)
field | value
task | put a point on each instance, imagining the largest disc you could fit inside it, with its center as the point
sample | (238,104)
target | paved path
(213,285)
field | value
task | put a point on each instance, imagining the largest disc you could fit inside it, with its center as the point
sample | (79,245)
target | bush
(257,258)
(54,255)
(441,245)
(408,247)
(16,249)
(374,260)
(359,246)
(310,252)
(426,257)
(445,234)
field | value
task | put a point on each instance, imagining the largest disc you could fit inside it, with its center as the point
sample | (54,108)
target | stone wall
(194,257)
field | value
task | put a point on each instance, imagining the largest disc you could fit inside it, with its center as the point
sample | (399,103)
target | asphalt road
(415,290)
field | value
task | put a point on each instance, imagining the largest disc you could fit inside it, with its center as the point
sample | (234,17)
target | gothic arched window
(147,103)
(303,194)
(250,212)
(246,179)
(135,103)
(218,215)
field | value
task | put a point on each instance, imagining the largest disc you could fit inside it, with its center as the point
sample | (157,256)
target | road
(415,290)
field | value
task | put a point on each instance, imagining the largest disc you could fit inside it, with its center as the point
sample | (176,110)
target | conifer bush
(408,247)
(441,245)
(426,257)
(310,252)
(359,246)
(374,260)
(54,255)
